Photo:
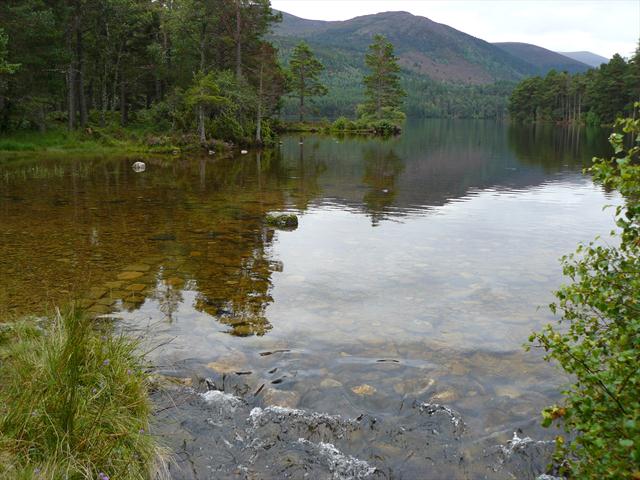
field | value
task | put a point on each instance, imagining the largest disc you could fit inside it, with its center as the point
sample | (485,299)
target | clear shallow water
(416,271)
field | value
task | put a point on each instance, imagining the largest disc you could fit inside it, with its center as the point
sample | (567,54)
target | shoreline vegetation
(119,140)
(74,402)
(113,139)
(190,80)
(343,126)
(597,97)
(597,339)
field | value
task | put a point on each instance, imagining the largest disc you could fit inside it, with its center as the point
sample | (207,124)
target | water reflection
(469,217)
(120,238)
(381,171)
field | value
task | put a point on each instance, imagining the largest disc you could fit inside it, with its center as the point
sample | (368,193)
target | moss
(285,221)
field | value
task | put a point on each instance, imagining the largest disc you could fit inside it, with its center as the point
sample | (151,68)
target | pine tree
(305,69)
(382,86)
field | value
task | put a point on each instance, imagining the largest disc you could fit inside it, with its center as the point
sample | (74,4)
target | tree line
(174,63)
(595,97)
(197,66)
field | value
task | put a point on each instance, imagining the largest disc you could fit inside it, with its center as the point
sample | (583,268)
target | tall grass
(74,403)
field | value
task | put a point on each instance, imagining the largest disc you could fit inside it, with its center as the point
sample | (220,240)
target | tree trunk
(301,108)
(259,112)
(201,126)
(158,86)
(71,96)
(84,117)
(42,125)
(124,115)
(203,38)
(238,41)
(105,97)
(116,78)
(580,108)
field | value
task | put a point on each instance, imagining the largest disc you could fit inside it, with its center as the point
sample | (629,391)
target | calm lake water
(417,272)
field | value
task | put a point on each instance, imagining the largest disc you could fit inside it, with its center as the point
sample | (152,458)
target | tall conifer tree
(305,69)
(382,86)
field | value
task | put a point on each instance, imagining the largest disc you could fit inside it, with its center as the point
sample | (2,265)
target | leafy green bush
(598,340)
(73,403)
(341,123)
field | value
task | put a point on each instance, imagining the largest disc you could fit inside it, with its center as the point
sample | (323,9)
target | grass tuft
(74,403)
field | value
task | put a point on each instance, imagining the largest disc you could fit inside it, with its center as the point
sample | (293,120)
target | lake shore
(111,140)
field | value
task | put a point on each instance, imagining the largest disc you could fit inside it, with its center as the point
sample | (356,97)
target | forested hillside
(447,73)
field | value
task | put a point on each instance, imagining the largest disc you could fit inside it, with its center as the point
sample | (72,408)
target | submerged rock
(364,390)
(285,221)
(524,457)
(340,465)
(129,275)
(139,167)
(231,430)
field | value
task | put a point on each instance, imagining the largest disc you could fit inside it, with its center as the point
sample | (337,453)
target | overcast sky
(604,27)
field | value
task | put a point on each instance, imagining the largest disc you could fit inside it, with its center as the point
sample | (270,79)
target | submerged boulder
(284,221)
(139,167)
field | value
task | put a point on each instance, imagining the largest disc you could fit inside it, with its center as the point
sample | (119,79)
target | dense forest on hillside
(425,97)
(446,73)
(192,66)
(596,97)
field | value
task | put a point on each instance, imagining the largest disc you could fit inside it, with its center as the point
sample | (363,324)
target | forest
(595,97)
(180,65)
(170,72)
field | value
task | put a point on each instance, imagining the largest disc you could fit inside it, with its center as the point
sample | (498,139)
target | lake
(383,337)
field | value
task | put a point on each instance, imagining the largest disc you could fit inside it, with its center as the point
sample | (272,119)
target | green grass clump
(74,403)
(10,145)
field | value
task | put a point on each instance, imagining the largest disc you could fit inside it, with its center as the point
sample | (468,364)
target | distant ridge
(543,59)
(590,58)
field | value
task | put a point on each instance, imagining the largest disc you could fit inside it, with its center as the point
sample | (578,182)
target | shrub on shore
(598,342)
(74,403)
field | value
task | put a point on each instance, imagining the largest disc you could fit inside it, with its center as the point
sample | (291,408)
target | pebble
(129,275)
(280,398)
(138,267)
(136,287)
(330,383)
(364,389)
(444,396)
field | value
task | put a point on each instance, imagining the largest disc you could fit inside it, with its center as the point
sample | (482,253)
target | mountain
(422,45)
(543,59)
(425,47)
(591,59)
(446,72)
